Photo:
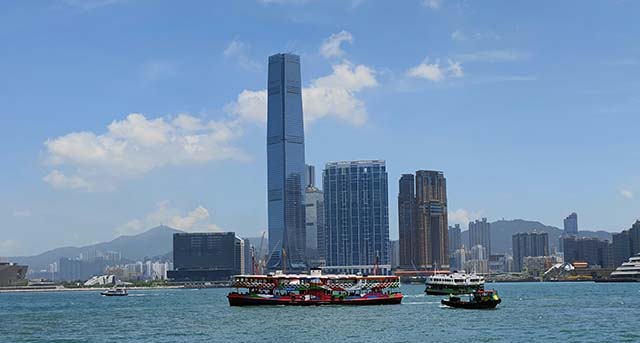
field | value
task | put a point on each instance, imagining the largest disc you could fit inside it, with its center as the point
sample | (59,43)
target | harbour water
(530,312)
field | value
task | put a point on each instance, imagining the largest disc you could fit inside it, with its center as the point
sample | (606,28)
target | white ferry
(628,271)
(454,283)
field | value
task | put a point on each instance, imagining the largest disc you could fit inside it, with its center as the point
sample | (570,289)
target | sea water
(529,312)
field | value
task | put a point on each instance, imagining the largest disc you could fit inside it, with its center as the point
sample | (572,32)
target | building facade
(626,244)
(285,164)
(571,224)
(528,244)
(480,234)
(210,256)
(407,222)
(356,213)
(431,219)
(455,238)
(590,250)
(314,212)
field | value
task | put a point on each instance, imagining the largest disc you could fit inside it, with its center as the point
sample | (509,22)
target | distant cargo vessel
(454,283)
(314,289)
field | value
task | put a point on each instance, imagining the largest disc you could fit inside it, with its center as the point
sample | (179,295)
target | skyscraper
(356,213)
(431,219)
(626,244)
(314,211)
(406,222)
(310,175)
(590,250)
(455,238)
(529,244)
(571,224)
(285,164)
(480,234)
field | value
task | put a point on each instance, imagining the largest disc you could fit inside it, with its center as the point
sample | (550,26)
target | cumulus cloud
(334,95)
(237,51)
(463,217)
(627,194)
(432,4)
(134,146)
(332,46)
(197,219)
(435,72)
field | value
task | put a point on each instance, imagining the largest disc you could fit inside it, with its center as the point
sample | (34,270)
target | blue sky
(118,115)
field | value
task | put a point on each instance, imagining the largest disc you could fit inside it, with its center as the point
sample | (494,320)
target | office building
(458,259)
(571,224)
(315,236)
(528,244)
(285,165)
(455,238)
(406,222)
(480,234)
(210,256)
(626,244)
(621,247)
(310,176)
(394,254)
(478,252)
(356,213)
(590,250)
(431,218)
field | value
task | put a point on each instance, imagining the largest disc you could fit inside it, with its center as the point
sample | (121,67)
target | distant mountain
(157,241)
(503,230)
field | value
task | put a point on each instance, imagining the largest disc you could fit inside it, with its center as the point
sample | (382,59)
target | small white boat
(115,292)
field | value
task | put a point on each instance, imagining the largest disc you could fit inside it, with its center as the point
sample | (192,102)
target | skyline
(511,112)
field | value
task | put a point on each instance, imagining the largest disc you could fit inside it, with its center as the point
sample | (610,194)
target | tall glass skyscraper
(285,164)
(356,213)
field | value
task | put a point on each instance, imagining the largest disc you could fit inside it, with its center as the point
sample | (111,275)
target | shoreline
(80,289)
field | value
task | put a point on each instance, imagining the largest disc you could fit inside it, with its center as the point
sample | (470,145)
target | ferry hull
(253,300)
(483,305)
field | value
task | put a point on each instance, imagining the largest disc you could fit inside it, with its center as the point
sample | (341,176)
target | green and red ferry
(314,289)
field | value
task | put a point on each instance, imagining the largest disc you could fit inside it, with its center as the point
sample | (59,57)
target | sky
(119,115)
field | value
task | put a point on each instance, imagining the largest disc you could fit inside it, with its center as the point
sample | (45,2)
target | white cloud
(237,51)
(331,47)
(463,217)
(250,105)
(195,220)
(59,180)
(455,69)
(334,95)
(134,146)
(8,247)
(432,4)
(434,72)
(458,35)
(427,71)
(627,194)
(493,56)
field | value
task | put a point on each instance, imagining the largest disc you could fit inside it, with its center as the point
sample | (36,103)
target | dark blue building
(209,256)
(356,213)
(285,164)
